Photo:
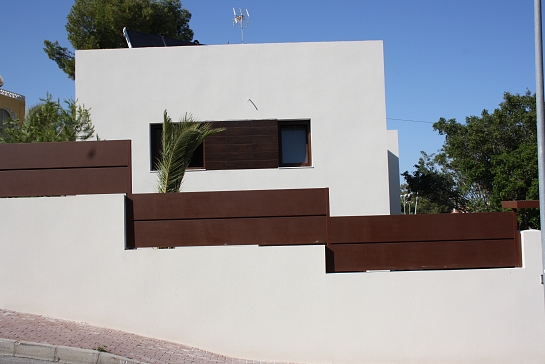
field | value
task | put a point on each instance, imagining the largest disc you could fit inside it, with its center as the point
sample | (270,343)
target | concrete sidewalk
(24,332)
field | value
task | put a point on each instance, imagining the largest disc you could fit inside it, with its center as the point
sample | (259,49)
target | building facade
(296,115)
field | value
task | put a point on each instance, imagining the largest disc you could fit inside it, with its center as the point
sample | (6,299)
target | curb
(58,353)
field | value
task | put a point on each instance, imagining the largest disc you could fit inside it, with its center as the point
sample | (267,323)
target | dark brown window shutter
(249,144)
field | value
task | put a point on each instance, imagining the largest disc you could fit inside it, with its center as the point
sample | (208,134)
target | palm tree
(179,141)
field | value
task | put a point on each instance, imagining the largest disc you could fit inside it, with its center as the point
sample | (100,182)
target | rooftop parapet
(13,95)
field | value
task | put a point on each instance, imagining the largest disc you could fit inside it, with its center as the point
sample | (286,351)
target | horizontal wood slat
(241,231)
(404,228)
(423,255)
(65,155)
(56,182)
(230,204)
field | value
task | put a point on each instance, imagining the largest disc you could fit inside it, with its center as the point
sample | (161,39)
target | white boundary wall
(339,86)
(64,257)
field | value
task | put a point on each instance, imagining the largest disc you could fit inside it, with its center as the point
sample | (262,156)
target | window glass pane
(197,158)
(4,117)
(294,144)
(156,132)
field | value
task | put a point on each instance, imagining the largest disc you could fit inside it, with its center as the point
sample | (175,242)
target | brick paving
(40,329)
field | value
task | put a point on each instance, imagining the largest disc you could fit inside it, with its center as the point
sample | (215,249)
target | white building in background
(297,115)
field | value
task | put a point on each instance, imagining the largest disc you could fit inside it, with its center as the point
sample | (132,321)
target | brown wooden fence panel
(67,168)
(265,217)
(296,217)
(408,242)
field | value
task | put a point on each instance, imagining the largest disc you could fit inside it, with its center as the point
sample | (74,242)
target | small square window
(156,136)
(294,143)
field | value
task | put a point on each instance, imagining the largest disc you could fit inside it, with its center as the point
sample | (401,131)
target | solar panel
(140,40)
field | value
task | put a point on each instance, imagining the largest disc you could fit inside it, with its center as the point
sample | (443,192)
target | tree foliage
(62,56)
(414,203)
(179,141)
(432,191)
(488,159)
(98,24)
(48,121)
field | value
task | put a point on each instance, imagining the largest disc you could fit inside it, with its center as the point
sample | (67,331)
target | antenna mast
(241,19)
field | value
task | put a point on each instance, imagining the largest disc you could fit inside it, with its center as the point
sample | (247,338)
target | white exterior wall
(339,86)
(63,257)
(393,170)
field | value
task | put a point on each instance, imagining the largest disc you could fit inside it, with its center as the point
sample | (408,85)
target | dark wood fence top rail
(65,155)
(231,204)
(425,227)
(524,204)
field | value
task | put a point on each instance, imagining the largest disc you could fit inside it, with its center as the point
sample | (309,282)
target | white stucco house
(297,115)
(304,115)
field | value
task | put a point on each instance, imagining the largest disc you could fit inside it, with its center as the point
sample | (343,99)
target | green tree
(48,121)
(434,182)
(488,159)
(412,202)
(179,141)
(98,24)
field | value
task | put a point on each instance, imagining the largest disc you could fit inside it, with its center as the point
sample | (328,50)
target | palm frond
(179,141)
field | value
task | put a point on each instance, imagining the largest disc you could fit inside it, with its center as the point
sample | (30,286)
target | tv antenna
(241,19)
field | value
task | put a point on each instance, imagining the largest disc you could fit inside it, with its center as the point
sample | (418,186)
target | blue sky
(446,59)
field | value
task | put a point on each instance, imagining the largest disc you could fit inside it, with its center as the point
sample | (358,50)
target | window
(247,144)
(156,134)
(5,116)
(294,143)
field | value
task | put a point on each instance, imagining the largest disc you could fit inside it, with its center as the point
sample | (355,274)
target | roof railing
(13,95)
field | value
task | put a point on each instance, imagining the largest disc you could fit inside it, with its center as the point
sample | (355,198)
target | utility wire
(412,121)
